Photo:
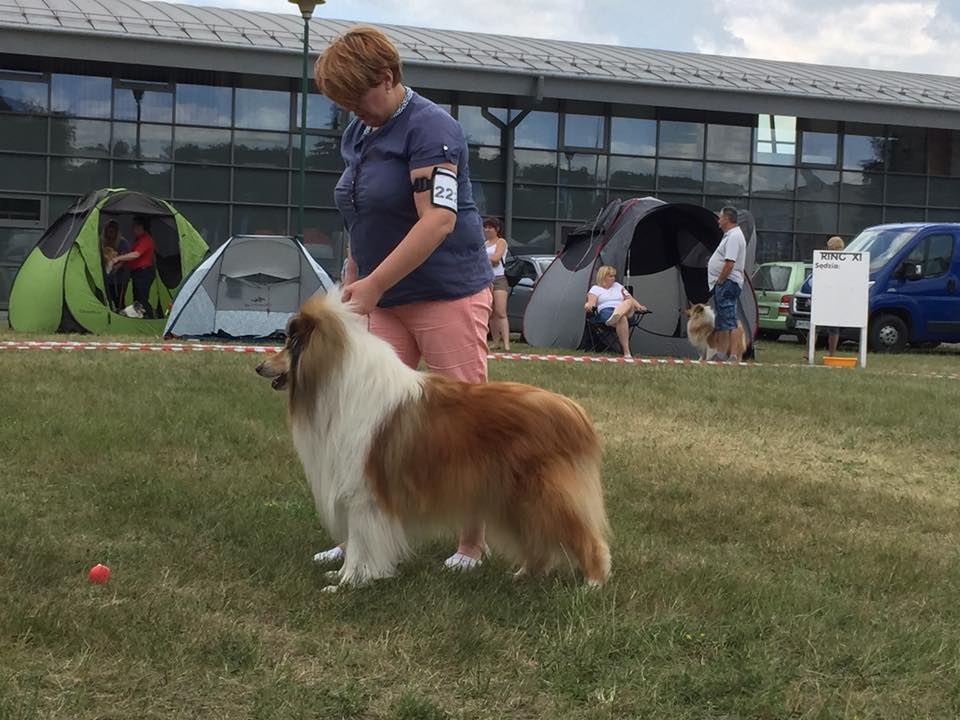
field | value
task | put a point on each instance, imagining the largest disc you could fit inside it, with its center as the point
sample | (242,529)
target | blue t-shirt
(375,198)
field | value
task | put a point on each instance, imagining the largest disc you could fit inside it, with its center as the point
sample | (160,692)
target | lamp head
(306,6)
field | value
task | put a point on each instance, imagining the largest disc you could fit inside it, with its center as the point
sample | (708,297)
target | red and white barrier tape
(134,346)
(211,347)
(175,347)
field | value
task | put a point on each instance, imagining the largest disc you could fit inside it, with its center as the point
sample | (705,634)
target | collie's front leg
(375,545)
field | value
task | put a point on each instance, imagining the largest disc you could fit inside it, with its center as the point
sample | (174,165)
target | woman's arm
(499,252)
(427,233)
(349,270)
(591,302)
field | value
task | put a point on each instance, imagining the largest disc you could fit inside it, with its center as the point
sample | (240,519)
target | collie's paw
(330,589)
(332,576)
(521,573)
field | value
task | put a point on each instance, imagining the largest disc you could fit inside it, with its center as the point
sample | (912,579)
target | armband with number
(443,189)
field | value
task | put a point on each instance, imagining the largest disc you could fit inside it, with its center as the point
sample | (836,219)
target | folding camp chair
(600,337)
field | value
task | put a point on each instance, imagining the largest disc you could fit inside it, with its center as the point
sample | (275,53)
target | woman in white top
(496,248)
(614,305)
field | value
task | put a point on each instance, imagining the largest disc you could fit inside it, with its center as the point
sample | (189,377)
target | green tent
(61,286)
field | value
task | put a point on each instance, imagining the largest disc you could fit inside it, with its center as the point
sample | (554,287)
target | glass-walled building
(215,130)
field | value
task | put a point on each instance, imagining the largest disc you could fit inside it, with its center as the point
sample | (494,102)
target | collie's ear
(317,343)
(298,334)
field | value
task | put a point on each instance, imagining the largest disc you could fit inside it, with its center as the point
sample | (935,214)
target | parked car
(529,268)
(914,296)
(774,284)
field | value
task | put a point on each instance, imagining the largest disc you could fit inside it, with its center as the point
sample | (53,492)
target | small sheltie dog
(703,336)
(393,455)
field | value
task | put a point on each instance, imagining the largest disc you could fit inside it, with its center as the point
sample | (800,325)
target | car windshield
(881,243)
(772,277)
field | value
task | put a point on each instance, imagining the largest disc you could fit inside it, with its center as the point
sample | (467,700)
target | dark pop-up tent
(660,252)
(61,286)
(249,288)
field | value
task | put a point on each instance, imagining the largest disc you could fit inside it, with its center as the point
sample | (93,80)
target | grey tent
(660,251)
(248,288)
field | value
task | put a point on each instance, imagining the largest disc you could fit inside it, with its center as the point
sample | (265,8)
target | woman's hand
(363,295)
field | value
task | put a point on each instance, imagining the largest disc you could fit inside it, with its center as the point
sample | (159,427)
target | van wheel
(888,333)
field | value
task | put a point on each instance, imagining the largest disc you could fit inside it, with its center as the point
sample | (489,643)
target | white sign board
(841,286)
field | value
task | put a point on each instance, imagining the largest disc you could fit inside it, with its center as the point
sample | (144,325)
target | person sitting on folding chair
(614,305)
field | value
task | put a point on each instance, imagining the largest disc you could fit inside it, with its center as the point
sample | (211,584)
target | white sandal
(329,557)
(460,562)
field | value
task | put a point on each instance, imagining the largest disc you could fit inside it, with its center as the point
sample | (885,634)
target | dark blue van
(914,294)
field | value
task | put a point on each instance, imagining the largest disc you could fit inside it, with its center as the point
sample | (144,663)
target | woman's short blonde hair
(355,62)
(605,271)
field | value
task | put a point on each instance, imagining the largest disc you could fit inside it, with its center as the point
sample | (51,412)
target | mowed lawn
(786,546)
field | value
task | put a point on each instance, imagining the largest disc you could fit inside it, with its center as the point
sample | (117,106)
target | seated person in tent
(613,304)
(140,263)
(117,275)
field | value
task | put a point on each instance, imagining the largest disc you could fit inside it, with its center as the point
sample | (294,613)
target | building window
(262,109)
(633,136)
(322,114)
(727,179)
(538,166)
(943,152)
(772,181)
(138,140)
(478,129)
(818,184)
(776,142)
(537,130)
(23,133)
(633,172)
(864,148)
(204,105)
(21,93)
(142,105)
(80,95)
(818,148)
(728,142)
(583,169)
(486,163)
(261,148)
(681,139)
(149,178)
(907,149)
(680,175)
(202,145)
(21,211)
(23,172)
(584,131)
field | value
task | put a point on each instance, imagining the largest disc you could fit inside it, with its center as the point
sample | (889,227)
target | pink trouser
(450,336)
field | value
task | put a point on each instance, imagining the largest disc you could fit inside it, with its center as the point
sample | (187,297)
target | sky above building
(906,35)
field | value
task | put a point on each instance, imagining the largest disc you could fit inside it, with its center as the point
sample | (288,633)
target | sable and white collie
(703,336)
(393,455)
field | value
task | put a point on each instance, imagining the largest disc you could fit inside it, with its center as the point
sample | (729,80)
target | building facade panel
(552,139)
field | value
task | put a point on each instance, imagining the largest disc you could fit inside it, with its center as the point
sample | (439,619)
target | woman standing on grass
(416,265)
(496,249)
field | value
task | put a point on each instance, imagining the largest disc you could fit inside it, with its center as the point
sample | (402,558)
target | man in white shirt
(725,277)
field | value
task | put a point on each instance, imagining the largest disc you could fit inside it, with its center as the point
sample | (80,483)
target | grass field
(786,546)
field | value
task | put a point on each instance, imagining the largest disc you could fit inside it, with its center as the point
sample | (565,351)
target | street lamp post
(306,12)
